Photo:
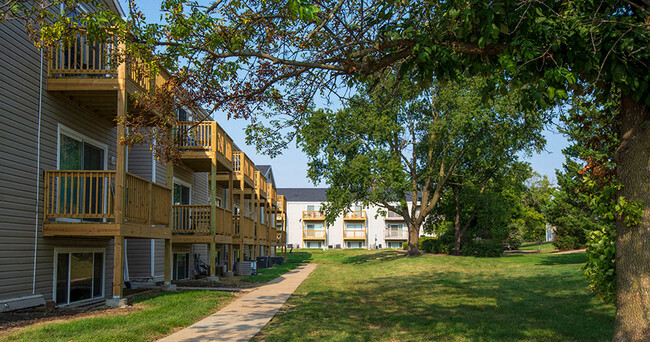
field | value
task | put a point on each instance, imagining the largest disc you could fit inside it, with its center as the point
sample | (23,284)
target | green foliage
(601,268)
(405,245)
(483,248)
(426,244)
(567,242)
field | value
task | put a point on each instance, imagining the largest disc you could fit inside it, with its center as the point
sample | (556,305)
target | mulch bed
(11,321)
(225,282)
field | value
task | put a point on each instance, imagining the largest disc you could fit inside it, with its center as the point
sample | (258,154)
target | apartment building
(361,227)
(80,214)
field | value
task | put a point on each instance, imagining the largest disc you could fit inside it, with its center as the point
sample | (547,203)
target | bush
(483,248)
(427,244)
(567,242)
(405,246)
(447,244)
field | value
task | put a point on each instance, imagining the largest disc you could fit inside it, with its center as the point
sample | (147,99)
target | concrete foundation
(228,274)
(212,278)
(116,302)
(169,287)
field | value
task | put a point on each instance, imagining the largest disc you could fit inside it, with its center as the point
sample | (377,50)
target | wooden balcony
(262,233)
(272,195)
(355,216)
(313,234)
(273,233)
(244,230)
(282,203)
(82,203)
(395,234)
(313,215)
(243,172)
(90,73)
(354,234)
(281,238)
(260,185)
(200,142)
(192,224)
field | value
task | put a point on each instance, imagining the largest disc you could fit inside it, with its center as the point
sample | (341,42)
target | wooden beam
(120,174)
(118,266)
(168,261)
(213,208)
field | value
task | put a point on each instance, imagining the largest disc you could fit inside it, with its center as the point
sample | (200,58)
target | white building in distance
(361,227)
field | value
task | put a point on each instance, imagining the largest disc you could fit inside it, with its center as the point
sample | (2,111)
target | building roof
(304,194)
(312,194)
(267,171)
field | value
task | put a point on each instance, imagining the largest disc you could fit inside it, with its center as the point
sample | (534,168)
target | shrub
(428,244)
(483,248)
(567,242)
(405,246)
(447,244)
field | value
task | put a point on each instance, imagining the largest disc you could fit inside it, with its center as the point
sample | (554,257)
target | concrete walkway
(245,317)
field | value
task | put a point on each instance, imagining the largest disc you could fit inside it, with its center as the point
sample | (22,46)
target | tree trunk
(633,243)
(414,239)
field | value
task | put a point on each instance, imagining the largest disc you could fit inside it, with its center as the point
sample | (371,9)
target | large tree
(393,144)
(260,58)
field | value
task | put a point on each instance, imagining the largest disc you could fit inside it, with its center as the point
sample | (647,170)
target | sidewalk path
(245,317)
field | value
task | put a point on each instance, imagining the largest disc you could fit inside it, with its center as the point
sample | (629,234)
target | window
(313,207)
(394,244)
(79,276)
(181,114)
(314,226)
(181,194)
(314,244)
(355,244)
(181,266)
(354,226)
(395,226)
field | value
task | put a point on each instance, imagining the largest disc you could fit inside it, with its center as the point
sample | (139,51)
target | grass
(160,315)
(547,247)
(267,274)
(382,296)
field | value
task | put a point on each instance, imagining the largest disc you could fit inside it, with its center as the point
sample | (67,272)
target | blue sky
(290,168)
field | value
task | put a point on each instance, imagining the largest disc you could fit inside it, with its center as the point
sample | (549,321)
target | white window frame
(70,250)
(185,184)
(61,129)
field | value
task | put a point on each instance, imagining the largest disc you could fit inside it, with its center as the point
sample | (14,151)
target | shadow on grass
(564,259)
(377,256)
(267,274)
(449,305)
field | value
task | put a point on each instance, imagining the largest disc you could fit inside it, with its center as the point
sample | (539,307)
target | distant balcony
(281,238)
(315,215)
(313,234)
(395,234)
(354,234)
(82,203)
(392,216)
(355,216)
(260,184)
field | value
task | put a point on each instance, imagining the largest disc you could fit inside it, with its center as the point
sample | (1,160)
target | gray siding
(19,98)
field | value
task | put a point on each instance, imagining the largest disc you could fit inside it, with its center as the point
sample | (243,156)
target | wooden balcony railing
(354,234)
(195,219)
(260,183)
(313,215)
(242,162)
(82,57)
(271,194)
(206,136)
(282,202)
(262,232)
(272,234)
(313,234)
(146,202)
(191,219)
(281,237)
(400,234)
(81,194)
(244,227)
(355,215)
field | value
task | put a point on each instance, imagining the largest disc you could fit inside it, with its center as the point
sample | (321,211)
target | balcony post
(213,214)
(231,207)
(169,182)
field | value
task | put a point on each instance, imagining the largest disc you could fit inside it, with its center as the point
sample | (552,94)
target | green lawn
(547,247)
(267,274)
(369,296)
(160,316)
